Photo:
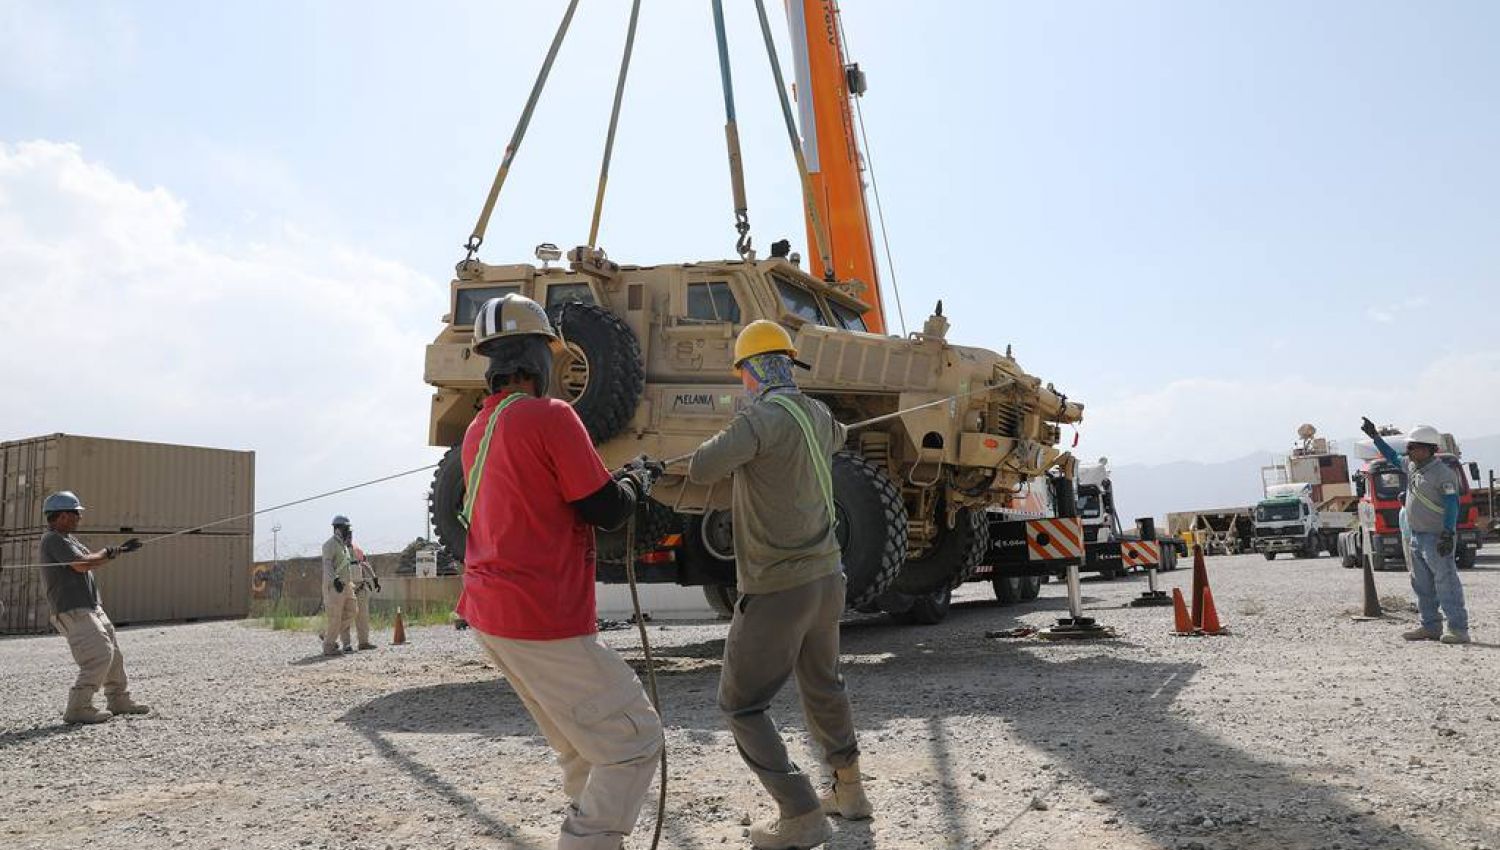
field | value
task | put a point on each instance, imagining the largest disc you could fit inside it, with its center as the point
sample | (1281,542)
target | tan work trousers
(361,616)
(596,716)
(91,639)
(339,608)
(774,636)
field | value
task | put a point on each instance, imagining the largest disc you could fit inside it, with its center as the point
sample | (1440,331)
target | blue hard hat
(62,500)
(340,520)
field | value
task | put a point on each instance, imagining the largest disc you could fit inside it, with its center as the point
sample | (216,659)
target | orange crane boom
(832,151)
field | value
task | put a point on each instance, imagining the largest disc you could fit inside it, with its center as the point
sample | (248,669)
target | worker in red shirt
(536,489)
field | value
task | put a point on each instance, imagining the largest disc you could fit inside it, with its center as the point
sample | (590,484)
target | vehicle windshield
(849,319)
(800,302)
(1088,503)
(468,301)
(1389,483)
(1277,511)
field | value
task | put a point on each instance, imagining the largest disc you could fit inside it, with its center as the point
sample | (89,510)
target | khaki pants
(361,616)
(596,716)
(339,609)
(773,637)
(91,638)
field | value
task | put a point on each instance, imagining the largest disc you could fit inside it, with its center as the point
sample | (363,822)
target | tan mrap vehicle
(649,371)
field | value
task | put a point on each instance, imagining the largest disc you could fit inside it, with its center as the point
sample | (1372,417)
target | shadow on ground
(1042,700)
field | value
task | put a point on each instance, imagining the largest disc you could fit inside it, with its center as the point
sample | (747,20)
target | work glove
(1445,543)
(338,585)
(1368,427)
(642,472)
(125,548)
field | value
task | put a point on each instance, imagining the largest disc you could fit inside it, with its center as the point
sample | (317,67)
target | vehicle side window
(561,293)
(800,302)
(470,300)
(712,302)
(849,320)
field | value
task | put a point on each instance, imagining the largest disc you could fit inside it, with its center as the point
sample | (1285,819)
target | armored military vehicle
(648,368)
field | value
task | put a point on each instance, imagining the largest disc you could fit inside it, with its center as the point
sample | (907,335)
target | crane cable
(864,140)
(477,239)
(809,199)
(614,120)
(732,139)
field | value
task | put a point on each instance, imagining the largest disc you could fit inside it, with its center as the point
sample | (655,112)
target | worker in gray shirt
(791,583)
(339,605)
(1430,523)
(78,614)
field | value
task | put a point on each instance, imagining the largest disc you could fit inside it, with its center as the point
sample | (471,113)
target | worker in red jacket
(536,489)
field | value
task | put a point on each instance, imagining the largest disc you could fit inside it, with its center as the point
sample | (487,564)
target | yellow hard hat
(764,337)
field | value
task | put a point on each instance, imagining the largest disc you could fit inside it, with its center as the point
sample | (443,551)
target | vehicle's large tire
(1007,589)
(653,521)
(605,385)
(1031,587)
(1464,558)
(708,543)
(928,610)
(1270,556)
(445,500)
(871,527)
(951,561)
(721,598)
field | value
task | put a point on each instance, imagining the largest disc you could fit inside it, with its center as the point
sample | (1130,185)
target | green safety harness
(819,459)
(476,473)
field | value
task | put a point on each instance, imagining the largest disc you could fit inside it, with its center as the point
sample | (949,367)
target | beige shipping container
(191,577)
(126,486)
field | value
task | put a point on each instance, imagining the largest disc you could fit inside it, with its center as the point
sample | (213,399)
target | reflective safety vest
(476,473)
(821,465)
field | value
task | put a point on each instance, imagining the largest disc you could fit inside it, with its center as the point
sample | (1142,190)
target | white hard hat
(1425,434)
(507,316)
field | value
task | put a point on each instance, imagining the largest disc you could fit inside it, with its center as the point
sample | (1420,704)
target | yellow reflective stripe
(1426,502)
(476,473)
(820,462)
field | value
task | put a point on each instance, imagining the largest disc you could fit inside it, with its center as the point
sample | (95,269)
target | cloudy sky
(232,224)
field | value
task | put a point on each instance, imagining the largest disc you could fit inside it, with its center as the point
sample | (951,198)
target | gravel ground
(1301,730)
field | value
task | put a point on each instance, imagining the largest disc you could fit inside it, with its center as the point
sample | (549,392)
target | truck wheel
(605,378)
(1007,589)
(653,521)
(951,560)
(1270,556)
(1031,587)
(871,527)
(721,598)
(1464,558)
(708,543)
(929,610)
(445,500)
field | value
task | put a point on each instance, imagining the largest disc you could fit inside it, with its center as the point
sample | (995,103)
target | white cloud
(118,321)
(1389,314)
(1207,419)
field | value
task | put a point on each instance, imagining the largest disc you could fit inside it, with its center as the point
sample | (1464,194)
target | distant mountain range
(1156,490)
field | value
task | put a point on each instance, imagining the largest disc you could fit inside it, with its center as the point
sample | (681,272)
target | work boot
(81,709)
(367,646)
(348,649)
(847,796)
(1452,635)
(121,703)
(798,833)
(1420,633)
(331,652)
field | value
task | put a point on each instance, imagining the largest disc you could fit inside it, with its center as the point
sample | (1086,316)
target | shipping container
(1333,469)
(126,486)
(191,577)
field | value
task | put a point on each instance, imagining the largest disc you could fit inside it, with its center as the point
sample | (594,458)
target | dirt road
(1302,730)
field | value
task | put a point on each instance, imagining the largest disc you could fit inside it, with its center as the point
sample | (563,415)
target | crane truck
(1308,501)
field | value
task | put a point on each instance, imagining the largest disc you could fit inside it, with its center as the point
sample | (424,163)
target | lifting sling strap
(820,461)
(476,474)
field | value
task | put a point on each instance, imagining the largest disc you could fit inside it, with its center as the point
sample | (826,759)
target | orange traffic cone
(1184,622)
(1211,624)
(1200,584)
(399,637)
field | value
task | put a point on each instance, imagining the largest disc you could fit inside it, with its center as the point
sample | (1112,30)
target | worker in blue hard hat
(339,605)
(1429,525)
(78,613)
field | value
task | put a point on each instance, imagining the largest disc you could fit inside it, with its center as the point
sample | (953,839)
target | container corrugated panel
(192,577)
(23,601)
(126,485)
(1334,469)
